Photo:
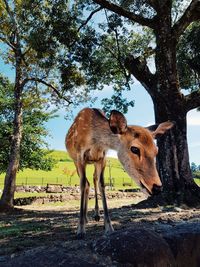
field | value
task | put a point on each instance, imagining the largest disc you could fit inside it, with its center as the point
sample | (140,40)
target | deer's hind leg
(96,208)
(84,187)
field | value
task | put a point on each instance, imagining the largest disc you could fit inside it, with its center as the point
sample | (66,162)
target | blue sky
(141,114)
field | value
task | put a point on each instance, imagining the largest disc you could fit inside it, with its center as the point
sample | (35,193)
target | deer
(91,135)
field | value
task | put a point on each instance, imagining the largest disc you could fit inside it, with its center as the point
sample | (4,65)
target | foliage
(189,58)
(194,167)
(63,44)
(45,64)
(95,46)
(82,57)
(105,39)
(35,116)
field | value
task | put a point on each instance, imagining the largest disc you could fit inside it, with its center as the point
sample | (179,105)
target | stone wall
(60,193)
(50,188)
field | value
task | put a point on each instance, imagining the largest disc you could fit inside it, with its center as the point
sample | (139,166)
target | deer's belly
(94,154)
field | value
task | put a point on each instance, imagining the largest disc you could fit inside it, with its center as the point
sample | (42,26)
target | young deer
(87,141)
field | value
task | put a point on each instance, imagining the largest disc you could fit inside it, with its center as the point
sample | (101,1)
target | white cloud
(194,145)
(111,153)
(193,118)
(193,121)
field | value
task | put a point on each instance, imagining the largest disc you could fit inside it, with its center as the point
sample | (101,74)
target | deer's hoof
(80,236)
(109,229)
(97,218)
(81,231)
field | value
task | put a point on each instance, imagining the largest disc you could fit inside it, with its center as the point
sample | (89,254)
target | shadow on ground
(26,236)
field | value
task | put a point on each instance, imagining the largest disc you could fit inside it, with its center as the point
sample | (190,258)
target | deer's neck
(113,141)
(104,136)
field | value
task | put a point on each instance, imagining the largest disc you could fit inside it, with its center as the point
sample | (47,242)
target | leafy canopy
(189,58)
(45,64)
(35,115)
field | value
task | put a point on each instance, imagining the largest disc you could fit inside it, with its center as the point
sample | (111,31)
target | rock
(39,201)
(54,188)
(170,246)
(31,190)
(77,197)
(184,241)
(38,188)
(65,190)
(178,209)
(71,197)
(50,256)
(138,247)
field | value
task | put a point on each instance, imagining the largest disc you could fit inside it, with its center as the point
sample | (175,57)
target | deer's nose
(156,189)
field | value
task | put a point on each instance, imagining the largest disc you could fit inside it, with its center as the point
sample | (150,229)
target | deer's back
(84,138)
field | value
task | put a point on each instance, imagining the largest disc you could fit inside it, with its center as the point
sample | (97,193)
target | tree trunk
(6,202)
(173,158)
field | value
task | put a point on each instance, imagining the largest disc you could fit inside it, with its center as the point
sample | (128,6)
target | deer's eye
(135,150)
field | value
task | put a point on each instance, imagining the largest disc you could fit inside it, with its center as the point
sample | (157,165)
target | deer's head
(137,150)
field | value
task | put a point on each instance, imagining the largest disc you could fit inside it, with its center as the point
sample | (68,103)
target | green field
(60,174)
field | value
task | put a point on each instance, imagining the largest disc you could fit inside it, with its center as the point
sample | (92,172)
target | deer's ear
(160,129)
(117,122)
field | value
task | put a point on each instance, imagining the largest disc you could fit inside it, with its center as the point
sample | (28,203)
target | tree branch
(191,14)
(4,40)
(192,100)
(125,13)
(89,18)
(55,90)
(152,3)
(14,38)
(118,56)
(119,59)
(11,15)
(141,72)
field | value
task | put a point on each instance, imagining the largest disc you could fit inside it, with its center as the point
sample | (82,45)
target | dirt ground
(44,231)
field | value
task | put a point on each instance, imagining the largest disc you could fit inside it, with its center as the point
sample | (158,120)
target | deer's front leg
(87,190)
(100,172)
(84,187)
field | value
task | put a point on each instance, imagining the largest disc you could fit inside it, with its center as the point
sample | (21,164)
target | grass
(30,194)
(18,230)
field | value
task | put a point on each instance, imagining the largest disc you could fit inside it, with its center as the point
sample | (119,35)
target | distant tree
(193,167)
(35,115)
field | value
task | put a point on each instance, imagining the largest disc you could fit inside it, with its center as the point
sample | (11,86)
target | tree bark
(6,202)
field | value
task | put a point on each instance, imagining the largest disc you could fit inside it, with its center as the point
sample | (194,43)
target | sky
(141,114)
